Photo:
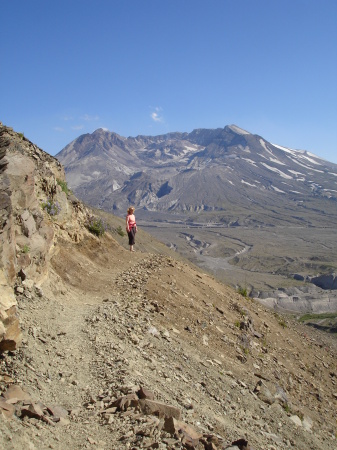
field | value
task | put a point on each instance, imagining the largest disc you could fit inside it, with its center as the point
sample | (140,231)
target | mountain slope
(205,170)
(103,328)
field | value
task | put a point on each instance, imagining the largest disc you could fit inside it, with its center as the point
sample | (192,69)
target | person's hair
(131,210)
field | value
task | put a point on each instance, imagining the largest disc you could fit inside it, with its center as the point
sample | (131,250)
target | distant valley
(257,215)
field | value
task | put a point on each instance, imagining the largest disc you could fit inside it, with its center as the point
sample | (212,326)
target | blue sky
(149,67)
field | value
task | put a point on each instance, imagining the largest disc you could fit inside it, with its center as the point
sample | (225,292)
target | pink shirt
(131,221)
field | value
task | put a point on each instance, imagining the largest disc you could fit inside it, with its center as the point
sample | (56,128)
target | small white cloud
(66,118)
(77,127)
(59,129)
(156,115)
(89,118)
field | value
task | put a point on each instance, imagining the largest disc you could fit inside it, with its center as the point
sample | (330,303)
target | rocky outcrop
(17,401)
(31,197)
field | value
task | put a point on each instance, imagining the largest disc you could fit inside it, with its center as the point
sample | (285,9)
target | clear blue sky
(149,67)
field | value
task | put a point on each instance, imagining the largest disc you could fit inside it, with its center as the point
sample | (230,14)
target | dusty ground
(107,322)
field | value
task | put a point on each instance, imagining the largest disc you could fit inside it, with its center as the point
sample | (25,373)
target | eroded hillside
(139,350)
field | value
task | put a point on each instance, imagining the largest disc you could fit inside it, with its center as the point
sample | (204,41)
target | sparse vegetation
(21,135)
(26,248)
(306,317)
(64,186)
(52,207)
(242,291)
(281,320)
(282,323)
(245,350)
(120,231)
(286,408)
(96,226)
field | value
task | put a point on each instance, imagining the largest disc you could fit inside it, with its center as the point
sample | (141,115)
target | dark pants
(132,234)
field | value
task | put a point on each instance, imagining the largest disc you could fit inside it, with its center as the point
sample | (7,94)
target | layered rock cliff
(30,197)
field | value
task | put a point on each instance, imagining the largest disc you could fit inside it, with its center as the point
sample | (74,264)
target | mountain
(222,170)
(122,350)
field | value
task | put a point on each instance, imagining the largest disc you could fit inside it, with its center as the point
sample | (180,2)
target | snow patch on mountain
(285,149)
(253,163)
(277,161)
(262,142)
(238,130)
(305,166)
(295,173)
(302,155)
(274,169)
(277,190)
(115,186)
(249,184)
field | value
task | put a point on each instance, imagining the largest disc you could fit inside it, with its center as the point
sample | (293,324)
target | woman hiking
(131,227)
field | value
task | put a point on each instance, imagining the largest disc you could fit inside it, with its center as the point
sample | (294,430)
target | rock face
(29,180)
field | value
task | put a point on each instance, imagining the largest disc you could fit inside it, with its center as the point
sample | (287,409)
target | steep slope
(106,330)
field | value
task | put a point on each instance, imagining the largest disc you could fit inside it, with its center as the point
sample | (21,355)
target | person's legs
(131,239)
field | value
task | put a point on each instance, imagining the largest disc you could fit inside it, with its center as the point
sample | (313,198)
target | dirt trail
(107,322)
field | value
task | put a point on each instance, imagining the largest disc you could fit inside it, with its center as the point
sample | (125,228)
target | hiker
(131,227)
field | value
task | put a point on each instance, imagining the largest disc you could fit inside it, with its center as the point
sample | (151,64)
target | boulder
(28,224)
(145,393)
(34,410)
(14,393)
(155,408)
(296,420)
(57,412)
(263,393)
(7,409)
(123,403)
(178,428)
(307,423)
